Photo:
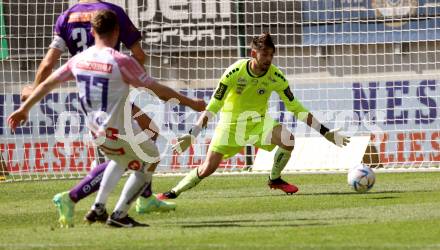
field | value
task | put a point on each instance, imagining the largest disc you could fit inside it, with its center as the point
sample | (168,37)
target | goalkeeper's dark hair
(264,41)
(104,22)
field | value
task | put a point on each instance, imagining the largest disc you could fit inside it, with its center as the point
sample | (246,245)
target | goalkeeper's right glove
(337,138)
(183,143)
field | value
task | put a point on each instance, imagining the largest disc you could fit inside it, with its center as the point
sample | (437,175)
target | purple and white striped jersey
(74,27)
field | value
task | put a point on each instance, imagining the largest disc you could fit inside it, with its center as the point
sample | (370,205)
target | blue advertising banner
(400,115)
(377,32)
(332,10)
(338,22)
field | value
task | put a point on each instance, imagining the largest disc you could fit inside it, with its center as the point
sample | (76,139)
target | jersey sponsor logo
(220,92)
(289,94)
(241,80)
(95,66)
(241,84)
(80,17)
(240,88)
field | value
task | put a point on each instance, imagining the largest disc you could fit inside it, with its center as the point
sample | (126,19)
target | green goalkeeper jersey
(243,96)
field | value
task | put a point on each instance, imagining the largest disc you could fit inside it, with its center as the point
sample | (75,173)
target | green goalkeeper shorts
(230,138)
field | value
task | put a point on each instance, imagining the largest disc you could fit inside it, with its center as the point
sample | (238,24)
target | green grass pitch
(240,212)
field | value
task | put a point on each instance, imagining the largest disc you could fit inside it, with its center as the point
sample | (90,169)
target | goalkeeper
(242,98)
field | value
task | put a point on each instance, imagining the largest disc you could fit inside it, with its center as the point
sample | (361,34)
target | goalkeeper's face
(263,58)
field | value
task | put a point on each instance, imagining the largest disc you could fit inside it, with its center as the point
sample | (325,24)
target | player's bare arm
(21,114)
(166,93)
(138,53)
(44,69)
(331,135)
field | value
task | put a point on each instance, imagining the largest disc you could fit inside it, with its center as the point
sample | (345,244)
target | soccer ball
(361,178)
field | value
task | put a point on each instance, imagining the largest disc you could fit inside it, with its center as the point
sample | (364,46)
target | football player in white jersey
(72,33)
(103,77)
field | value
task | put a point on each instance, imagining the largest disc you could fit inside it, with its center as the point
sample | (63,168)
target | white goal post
(370,67)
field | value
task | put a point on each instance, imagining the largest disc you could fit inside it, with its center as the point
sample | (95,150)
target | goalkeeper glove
(337,138)
(183,143)
(186,140)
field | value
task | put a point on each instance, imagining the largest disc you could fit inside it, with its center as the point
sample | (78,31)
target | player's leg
(148,202)
(138,180)
(223,145)
(284,139)
(65,201)
(111,176)
(136,183)
(193,178)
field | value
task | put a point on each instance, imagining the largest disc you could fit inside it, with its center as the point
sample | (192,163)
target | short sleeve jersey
(74,26)
(103,77)
(239,92)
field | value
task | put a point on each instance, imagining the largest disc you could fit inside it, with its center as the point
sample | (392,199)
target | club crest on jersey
(261,91)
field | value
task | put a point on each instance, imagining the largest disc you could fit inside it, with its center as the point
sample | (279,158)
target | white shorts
(128,153)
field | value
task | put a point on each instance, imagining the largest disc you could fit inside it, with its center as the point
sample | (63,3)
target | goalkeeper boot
(126,221)
(66,209)
(92,216)
(167,195)
(282,185)
(153,204)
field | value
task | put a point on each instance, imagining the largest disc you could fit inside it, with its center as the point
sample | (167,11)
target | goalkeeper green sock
(189,181)
(280,160)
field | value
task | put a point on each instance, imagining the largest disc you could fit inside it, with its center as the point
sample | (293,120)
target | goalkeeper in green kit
(242,98)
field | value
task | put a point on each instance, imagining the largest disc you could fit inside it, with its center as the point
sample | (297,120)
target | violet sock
(89,184)
(147,192)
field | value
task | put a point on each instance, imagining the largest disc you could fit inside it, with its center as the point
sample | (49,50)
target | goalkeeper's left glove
(186,140)
(183,143)
(337,138)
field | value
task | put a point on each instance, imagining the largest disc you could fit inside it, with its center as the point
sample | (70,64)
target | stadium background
(363,65)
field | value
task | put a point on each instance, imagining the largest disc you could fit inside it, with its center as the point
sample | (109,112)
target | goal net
(370,67)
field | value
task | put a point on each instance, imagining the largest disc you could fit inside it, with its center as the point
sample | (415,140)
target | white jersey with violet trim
(103,77)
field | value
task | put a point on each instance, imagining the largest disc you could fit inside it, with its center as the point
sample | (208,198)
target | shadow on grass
(265,225)
(240,221)
(352,193)
(382,198)
(261,222)
(306,194)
